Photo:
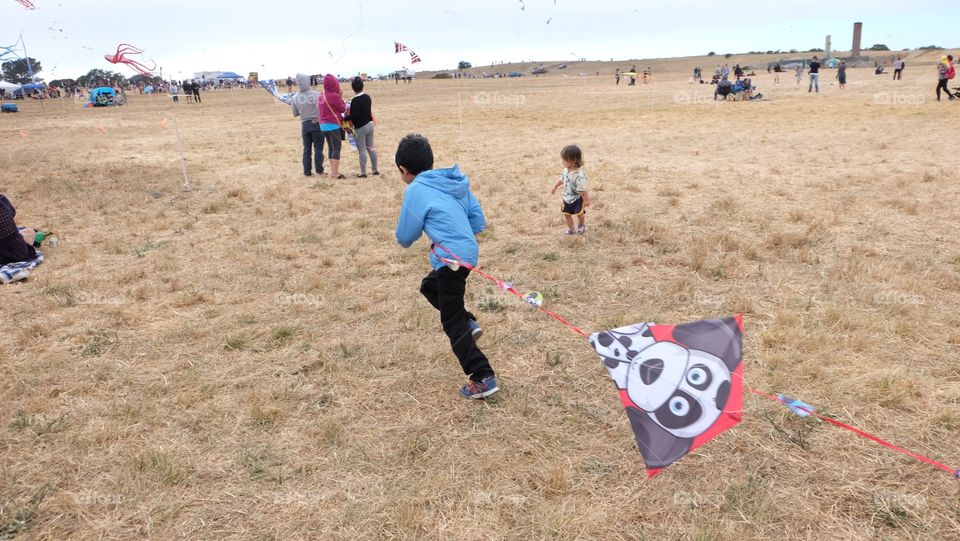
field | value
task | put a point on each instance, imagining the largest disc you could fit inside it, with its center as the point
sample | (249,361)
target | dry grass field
(251,359)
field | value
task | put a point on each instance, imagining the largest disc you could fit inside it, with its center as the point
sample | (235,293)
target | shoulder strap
(332,112)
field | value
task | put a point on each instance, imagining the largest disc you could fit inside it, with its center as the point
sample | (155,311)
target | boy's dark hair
(357,84)
(415,154)
(572,154)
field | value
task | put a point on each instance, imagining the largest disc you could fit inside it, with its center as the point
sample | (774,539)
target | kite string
(509,288)
(350,35)
(506,286)
(183,161)
(861,433)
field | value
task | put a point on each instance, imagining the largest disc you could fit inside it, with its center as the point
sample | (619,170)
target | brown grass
(251,359)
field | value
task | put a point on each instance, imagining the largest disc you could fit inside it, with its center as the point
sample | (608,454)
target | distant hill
(684,65)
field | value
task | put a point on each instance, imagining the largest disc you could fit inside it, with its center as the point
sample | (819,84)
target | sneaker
(362,175)
(22,274)
(376,173)
(307,174)
(570,231)
(476,390)
(581,229)
(475,329)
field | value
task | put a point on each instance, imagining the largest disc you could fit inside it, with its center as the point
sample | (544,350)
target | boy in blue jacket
(438,202)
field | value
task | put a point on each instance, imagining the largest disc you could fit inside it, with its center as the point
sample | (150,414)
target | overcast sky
(278,39)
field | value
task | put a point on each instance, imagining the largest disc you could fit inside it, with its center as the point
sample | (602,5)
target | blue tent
(28,89)
(229,75)
(102,97)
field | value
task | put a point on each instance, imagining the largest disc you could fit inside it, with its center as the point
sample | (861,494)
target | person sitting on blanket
(15,245)
(724,88)
(746,89)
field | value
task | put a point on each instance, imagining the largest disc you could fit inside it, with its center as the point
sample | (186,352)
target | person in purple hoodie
(331,107)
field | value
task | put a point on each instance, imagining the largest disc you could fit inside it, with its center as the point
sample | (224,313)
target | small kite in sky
(399,47)
(7,53)
(27,4)
(121,57)
(681,385)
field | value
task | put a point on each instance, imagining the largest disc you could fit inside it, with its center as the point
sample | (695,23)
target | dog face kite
(681,385)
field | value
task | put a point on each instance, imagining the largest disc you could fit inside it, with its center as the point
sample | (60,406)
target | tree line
(19,72)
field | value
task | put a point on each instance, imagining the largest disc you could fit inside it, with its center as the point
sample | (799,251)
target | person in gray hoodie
(304,105)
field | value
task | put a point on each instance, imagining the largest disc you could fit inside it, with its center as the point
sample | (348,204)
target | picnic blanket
(13,272)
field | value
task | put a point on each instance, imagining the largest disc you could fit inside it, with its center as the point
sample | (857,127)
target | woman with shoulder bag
(331,107)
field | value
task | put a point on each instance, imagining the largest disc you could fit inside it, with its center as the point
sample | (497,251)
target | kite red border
(682,385)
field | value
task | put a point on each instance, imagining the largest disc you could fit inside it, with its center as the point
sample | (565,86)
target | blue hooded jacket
(439,203)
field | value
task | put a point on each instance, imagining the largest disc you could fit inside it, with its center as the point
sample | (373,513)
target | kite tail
(808,410)
(794,405)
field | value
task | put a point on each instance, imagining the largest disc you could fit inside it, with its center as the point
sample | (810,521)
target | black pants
(943,85)
(897,74)
(444,289)
(312,144)
(333,140)
(196,96)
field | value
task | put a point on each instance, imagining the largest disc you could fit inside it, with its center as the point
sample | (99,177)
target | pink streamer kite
(121,57)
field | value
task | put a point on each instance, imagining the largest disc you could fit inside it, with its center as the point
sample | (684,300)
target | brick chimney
(857,39)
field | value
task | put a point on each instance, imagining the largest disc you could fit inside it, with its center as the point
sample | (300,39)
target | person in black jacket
(195,87)
(814,75)
(360,113)
(15,244)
